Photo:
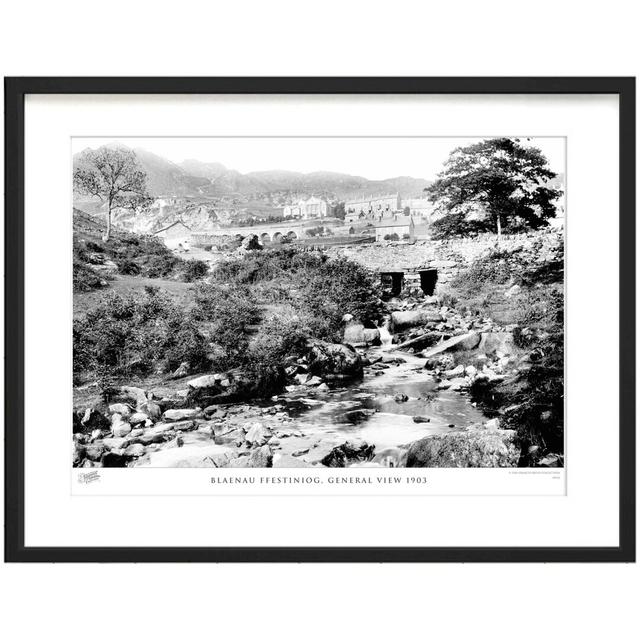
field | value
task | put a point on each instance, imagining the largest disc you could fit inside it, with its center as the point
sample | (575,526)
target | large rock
(121,408)
(466,449)
(356,335)
(134,395)
(176,415)
(257,433)
(261,457)
(348,453)
(464,342)
(209,381)
(401,320)
(333,360)
(119,427)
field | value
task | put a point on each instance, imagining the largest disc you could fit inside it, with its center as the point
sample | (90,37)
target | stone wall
(447,256)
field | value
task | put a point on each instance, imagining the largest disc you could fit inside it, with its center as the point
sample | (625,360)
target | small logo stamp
(87,478)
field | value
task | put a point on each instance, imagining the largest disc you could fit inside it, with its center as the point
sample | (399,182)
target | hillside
(196,178)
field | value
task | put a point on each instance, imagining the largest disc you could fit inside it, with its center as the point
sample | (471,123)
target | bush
(129,268)
(231,314)
(392,236)
(127,335)
(84,277)
(193,270)
(279,337)
(158,266)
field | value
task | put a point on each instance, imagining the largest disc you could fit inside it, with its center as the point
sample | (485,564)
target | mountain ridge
(193,177)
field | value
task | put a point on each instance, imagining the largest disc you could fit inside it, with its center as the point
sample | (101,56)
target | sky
(370,157)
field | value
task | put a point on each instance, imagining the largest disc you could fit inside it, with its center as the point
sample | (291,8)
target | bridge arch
(292,235)
(265,238)
(277,238)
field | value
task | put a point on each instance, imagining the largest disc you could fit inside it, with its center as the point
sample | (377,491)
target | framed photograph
(320,319)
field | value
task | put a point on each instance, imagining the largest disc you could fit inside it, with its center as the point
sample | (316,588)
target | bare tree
(114,175)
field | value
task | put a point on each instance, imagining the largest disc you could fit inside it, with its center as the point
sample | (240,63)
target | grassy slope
(87,228)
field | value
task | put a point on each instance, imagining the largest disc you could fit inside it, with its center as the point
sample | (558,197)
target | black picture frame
(15,91)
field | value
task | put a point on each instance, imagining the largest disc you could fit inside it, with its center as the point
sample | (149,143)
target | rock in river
(348,453)
(333,360)
(401,320)
(175,415)
(466,449)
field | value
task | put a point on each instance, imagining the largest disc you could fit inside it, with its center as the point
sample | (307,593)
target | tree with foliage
(339,211)
(494,185)
(112,174)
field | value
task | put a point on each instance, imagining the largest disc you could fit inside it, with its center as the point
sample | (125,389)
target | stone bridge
(274,233)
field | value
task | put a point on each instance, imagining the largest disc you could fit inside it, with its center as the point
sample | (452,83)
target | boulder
(456,372)
(134,450)
(121,408)
(442,362)
(464,342)
(205,382)
(114,443)
(152,409)
(421,419)
(348,453)
(119,427)
(333,360)
(184,425)
(176,415)
(401,320)
(466,449)
(257,433)
(138,418)
(261,457)
(95,451)
(356,335)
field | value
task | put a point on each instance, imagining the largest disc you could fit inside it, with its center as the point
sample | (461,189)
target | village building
(395,228)
(175,235)
(418,207)
(372,207)
(307,209)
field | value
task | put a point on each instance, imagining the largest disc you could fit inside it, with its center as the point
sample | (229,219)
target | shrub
(124,335)
(129,268)
(231,313)
(84,277)
(279,337)
(392,237)
(193,270)
(158,266)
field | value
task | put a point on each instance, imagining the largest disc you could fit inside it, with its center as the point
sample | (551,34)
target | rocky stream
(379,399)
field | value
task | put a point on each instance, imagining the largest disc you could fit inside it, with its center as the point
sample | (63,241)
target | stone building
(372,207)
(419,207)
(395,228)
(307,209)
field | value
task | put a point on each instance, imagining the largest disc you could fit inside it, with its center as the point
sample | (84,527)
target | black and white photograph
(318,302)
